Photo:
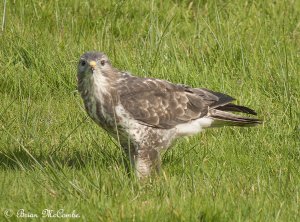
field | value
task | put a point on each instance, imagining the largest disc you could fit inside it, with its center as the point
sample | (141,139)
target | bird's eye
(83,63)
(102,62)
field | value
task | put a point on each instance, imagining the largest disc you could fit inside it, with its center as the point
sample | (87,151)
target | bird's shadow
(20,159)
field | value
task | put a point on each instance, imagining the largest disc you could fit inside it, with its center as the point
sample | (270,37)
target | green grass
(53,157)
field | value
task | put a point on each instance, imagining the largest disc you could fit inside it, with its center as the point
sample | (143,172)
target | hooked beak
(93,64)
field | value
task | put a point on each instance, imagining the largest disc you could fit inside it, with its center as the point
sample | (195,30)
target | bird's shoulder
(130,84)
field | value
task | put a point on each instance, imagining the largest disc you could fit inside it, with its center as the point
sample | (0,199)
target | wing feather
(161,104)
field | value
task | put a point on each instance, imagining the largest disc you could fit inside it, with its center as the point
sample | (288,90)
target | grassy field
(53,157)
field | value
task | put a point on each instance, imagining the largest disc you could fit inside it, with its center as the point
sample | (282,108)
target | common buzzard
(145,114)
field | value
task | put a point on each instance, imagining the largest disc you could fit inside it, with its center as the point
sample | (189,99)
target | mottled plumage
(146,115)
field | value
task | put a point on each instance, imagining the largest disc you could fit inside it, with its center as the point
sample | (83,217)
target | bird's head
(93,63)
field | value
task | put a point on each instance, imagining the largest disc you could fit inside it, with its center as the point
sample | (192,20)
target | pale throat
(100,84)
(95,85)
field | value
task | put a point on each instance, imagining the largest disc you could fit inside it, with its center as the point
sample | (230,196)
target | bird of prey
(145,114)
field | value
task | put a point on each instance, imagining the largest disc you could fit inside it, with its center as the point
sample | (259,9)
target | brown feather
(161,104)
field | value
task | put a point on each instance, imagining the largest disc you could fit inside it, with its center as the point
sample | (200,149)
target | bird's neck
(97,86)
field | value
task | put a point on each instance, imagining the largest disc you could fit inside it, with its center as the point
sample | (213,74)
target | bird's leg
(145,161)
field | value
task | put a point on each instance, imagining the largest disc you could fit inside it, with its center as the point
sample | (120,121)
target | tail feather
(236,108)
(222,118)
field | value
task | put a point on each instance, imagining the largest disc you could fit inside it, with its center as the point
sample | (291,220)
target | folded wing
(161,104)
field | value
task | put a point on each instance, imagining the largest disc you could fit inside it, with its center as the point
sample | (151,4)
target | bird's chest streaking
(99,102)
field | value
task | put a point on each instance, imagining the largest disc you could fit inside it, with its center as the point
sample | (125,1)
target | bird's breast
(99,101)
